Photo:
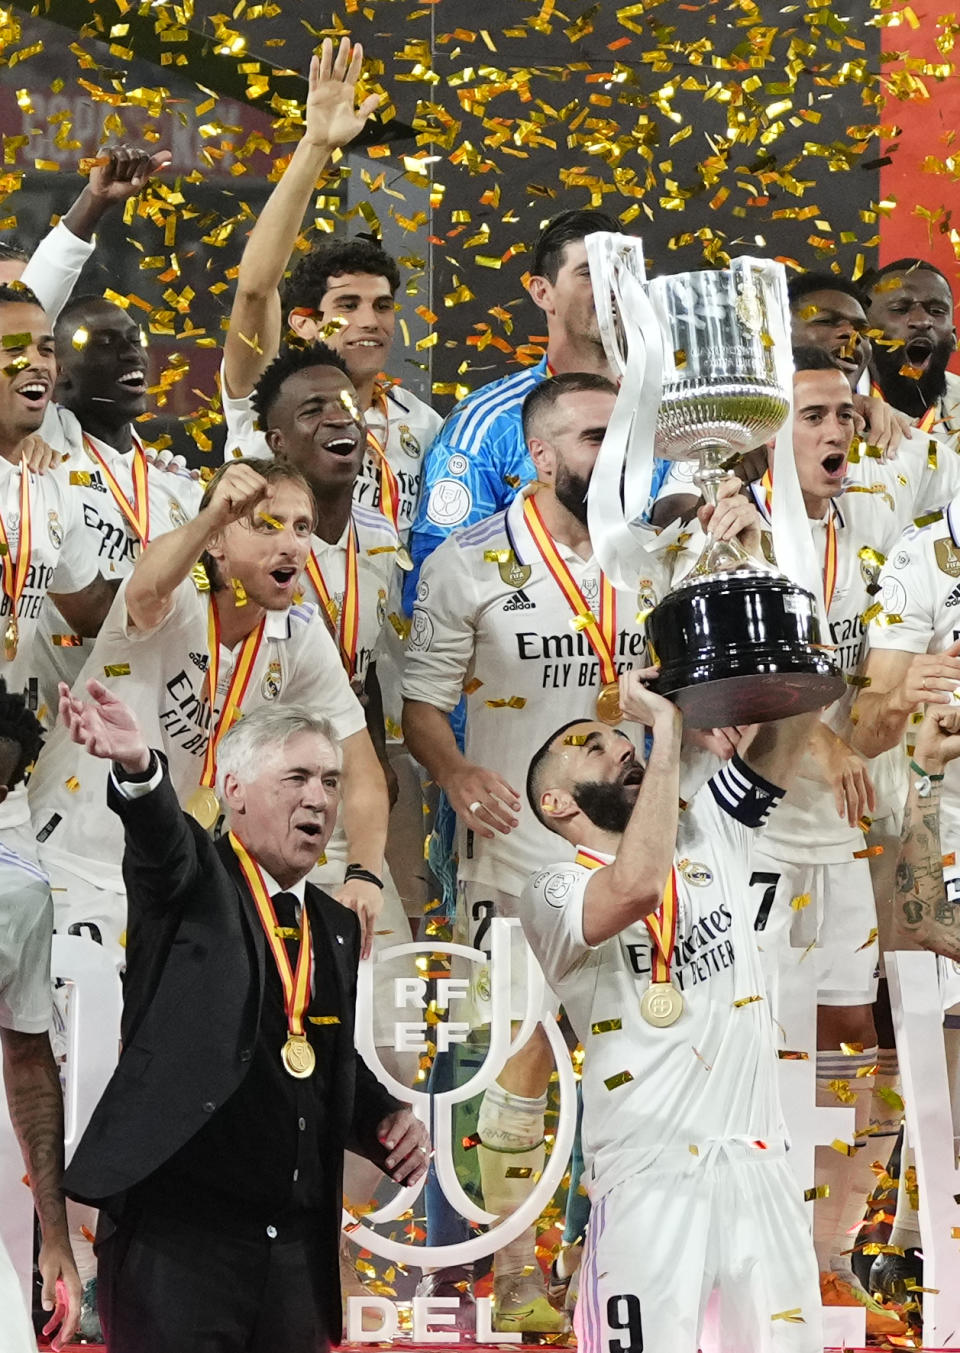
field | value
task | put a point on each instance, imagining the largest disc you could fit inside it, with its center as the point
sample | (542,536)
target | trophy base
(741,648)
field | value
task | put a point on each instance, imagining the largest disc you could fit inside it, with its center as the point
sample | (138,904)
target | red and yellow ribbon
(239,681)
(349,621)
(15,572)
(295,981)
(662,923)
(136,513)
(830,555)
(389,487)
(925,424)
(602,630)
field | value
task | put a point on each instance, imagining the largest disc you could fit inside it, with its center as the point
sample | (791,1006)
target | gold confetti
(789,1055)
(606,1026)
(73,784)
(842,1091)
(844,1148)
(324,1019)
(746,1000)
(498,556)
(513,702)
(792,1317)
(81,478)
(67,640)
(621,1078)
(821,1191)
(270,521)
(117,669)
(800,901)
(574,739)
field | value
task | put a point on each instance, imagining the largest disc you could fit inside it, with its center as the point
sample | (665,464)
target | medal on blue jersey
(661,1004)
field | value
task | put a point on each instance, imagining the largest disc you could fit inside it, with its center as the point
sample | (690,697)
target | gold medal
(204,806)
(608,703)
(11,639)
(297,1056)
(404,559)
(661,1004)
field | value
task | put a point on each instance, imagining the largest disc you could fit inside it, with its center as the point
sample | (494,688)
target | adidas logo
(954,597)
(200,660)
(519,602)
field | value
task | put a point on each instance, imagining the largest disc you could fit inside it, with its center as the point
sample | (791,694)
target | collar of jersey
(600,854)
(759,499)
(515,529)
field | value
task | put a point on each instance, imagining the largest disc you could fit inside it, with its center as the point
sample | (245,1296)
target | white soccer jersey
(174,498)
(920,596)
(376,565)
(60,561)
(491,621)
(405,435)
(866,519)
(166,686)
(651,1096)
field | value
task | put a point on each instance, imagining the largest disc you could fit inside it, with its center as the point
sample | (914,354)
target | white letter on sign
(409,991)
(410,1038)
(451,1033)
(451,989)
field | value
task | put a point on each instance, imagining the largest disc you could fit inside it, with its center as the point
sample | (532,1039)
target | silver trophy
(736,642)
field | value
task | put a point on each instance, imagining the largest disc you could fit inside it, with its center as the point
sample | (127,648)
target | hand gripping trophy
(706,375)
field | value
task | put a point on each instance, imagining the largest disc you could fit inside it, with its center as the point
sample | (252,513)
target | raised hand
(105,726)
(332,118)
(124,171)
(238,491)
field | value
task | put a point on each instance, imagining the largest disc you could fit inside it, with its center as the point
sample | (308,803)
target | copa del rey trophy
(707,375)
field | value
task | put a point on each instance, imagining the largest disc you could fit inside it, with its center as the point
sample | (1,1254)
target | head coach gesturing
(216,1151)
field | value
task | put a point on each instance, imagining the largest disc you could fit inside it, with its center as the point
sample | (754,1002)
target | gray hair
(251,739)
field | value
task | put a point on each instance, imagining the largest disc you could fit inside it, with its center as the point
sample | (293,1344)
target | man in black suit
(216,1151)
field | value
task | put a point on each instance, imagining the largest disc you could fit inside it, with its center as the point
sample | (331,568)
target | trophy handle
(718,556)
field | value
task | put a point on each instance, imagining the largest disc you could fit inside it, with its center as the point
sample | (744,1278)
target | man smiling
(190,652)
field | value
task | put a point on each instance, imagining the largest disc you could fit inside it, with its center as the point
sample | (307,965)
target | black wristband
(137,777)
(357,871)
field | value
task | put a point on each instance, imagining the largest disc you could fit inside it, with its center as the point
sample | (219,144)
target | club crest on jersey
(590,587)
(408,441)
(697,874)
(557,888)
(513,573)
(947,556)
(177,515)
(646,595)
(272,683)
(55,529)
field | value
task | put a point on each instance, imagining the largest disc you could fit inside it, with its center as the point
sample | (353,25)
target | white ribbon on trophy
(620,484)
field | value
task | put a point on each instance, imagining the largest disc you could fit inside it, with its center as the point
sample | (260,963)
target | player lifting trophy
(647,937)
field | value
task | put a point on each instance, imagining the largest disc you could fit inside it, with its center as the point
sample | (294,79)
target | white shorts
(838,925)
(81,908)
(659,1243)
(477,905)
(948,968)
(16,1331)
(392,928)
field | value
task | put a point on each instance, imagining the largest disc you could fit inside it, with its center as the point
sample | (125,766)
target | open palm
(332,117)
(104,725)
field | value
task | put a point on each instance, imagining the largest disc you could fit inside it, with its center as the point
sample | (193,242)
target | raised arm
(776,749)
(332,120)
(632,887)
(58,260)
(169,558)
(923,911)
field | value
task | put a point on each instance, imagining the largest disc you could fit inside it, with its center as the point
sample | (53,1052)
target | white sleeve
(136,789)
(26,1004)
(53,269)
(940,474)
(551,912)
(243,436)
(440,648)
(908,595)
(320,681)
(182,597)
(77,559)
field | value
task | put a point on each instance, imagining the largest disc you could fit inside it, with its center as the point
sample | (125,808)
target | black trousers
(168,1285)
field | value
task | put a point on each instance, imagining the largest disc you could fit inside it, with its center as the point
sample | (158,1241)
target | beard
(912,397)
(571,492)
(607,805)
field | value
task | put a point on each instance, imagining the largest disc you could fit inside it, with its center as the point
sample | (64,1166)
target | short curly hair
(307,284)
(21,737)
(291,358)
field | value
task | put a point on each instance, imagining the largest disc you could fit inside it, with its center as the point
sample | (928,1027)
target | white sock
(905,1233)
(511,1156)
(849,1178)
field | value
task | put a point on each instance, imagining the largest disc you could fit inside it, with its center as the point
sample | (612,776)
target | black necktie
(285,905)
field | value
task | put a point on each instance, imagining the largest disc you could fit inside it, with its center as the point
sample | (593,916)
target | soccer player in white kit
(503,615)
(33,1095)
(168,628)
(646,936)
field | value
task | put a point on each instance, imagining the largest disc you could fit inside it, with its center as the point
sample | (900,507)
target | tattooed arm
(923,911)
(35,1104)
